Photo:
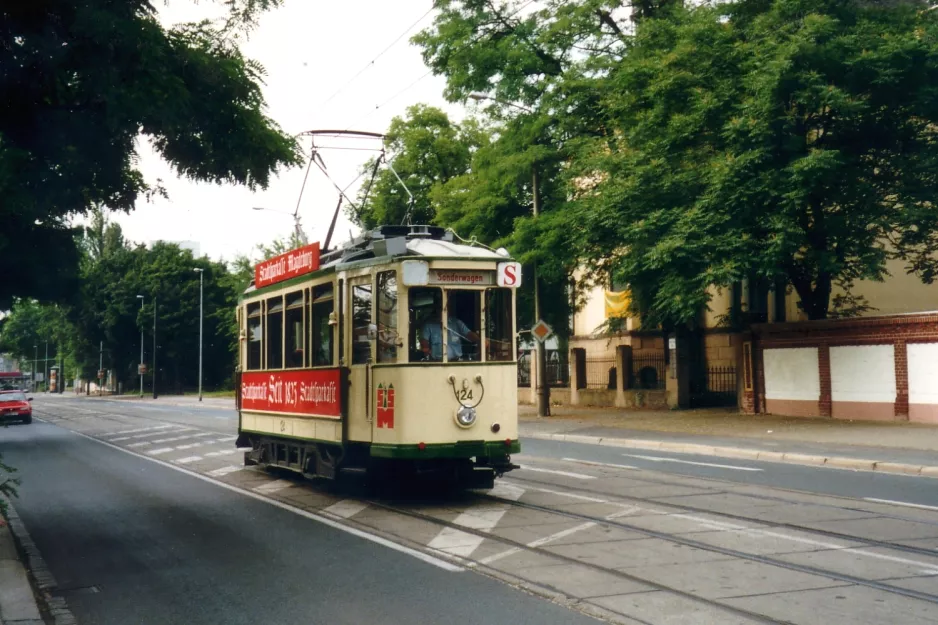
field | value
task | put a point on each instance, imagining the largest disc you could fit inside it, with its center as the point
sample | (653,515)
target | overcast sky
(310,51)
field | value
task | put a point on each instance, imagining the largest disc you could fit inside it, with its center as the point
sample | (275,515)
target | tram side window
(388,336)
(498,331)
(361,320)
(255,332)
(275,333)
(464,324)
(323,299)
(294,328)
(426,310)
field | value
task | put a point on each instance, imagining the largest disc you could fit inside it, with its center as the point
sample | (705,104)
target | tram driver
(431,335)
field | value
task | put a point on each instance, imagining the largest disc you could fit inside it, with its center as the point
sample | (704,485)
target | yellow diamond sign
(541,331)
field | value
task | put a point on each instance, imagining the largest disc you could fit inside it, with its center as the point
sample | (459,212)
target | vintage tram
(392,355)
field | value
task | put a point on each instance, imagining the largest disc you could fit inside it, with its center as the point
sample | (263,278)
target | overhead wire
(372,62)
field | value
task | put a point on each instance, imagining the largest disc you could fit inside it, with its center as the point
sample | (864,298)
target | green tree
(426,150)
(81,82)
(783,139)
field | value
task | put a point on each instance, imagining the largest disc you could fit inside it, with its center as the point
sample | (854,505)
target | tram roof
(393,243)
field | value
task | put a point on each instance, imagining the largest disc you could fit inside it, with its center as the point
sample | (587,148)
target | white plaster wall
(792,373)
(865,373)
(923,373)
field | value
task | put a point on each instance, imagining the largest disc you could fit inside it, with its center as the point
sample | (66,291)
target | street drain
(83,590)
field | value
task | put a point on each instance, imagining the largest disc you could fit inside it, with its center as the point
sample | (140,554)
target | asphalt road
(131,541)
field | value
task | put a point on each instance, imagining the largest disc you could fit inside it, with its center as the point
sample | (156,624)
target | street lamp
(297,229)
(35,363)
(154,347)
(201,275)
(540,361)
(139,370)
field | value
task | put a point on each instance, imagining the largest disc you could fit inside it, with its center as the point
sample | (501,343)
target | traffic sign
(541,331)
(100,374)
(142,369)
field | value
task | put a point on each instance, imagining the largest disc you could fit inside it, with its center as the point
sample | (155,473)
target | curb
(45,582)
(838,462)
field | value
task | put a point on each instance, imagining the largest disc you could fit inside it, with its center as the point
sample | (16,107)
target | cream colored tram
(394,354)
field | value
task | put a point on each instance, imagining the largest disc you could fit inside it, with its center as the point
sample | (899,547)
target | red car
(14,406)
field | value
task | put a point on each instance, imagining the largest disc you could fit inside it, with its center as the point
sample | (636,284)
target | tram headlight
(465,416)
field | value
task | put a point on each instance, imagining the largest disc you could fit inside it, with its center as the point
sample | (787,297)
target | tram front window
(462,320)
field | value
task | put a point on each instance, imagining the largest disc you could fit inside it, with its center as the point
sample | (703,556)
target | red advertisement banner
(311,392)
(290,265)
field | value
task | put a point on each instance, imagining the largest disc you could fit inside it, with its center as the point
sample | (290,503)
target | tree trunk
(816,297)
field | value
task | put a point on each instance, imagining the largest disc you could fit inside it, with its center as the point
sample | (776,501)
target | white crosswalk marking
(157,452)
(579,476)
(539,542)
(190,445)
(224,471)
(273,487)
(172,439)
(155,427)
(346,508)
(458,543)
(188,460)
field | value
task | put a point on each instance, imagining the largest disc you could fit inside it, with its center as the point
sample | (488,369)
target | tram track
(769,525)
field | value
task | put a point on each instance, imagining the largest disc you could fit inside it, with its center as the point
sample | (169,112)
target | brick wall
(844,395)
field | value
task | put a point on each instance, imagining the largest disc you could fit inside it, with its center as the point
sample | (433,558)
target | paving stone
(682,523)
(865,563)
(527,534)
(656,491)
(408,528)
(769,541)
(635,553)
(664,608)
(718,502)
(524,560)
(921,583)
(730,578)
(806,514)
(880,528)
(848,605)
(598,534)
(580,581)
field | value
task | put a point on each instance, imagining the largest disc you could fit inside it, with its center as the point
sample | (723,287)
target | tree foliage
(789,139)
(80,83)
(426,150)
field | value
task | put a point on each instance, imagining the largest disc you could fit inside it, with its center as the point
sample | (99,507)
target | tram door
(361,356)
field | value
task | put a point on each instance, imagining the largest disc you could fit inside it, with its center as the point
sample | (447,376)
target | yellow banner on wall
(617,304)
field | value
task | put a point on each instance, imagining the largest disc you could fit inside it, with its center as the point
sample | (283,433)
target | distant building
(8,363)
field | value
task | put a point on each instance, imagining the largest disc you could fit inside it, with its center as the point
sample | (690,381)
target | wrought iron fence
(600,372)
(648,371)
(715,386)
(558,372)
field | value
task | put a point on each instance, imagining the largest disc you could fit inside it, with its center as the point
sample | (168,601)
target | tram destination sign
(313,392)
(290,265)
(462,277)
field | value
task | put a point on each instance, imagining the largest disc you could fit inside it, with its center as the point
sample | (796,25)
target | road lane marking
(190,445)
(135,430)
(157,452)
(579,476)
(459,543)
(224,471)
(273,487)
(427,558)
(347,508)
(140,444)
(901,503)
(571,495)
(188,460)
(172,439)
(506,491)
(699,464)
(538,543)
(593,463)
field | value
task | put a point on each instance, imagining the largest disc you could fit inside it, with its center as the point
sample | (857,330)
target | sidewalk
(867,445)
(17,601)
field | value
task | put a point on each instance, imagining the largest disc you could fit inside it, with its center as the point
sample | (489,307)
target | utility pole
(45,368)
(140,364)
(540,361)
(201,275)
(35,363)
(100,363)
(154,347)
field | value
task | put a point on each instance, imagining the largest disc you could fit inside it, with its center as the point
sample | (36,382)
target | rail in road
(625,544)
